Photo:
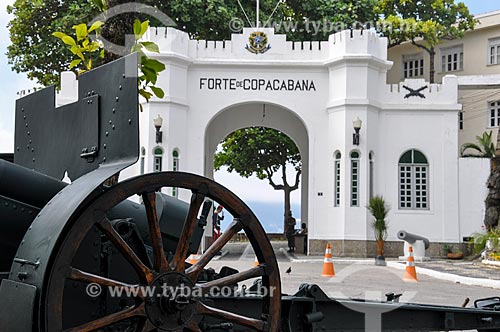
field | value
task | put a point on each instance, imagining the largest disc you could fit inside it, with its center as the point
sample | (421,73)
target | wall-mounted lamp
(357,127)
(158,122)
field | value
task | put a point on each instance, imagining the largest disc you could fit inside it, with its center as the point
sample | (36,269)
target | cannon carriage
(61,243)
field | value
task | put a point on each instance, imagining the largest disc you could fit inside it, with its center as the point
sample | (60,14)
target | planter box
(458,255)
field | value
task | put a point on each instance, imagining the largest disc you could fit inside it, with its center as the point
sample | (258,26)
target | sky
(11,83)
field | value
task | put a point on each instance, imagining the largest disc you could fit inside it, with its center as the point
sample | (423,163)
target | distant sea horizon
(270,215)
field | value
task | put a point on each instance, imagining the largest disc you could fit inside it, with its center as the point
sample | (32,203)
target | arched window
(371,174)
(175,168)
(175,161)
(413,181)
(338,156)
(143,161)
(354,178)
(158,158)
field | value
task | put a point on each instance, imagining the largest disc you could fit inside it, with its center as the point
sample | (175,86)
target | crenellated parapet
(355,60)
(170,41)
(345,43)
(419,94)
(357,42)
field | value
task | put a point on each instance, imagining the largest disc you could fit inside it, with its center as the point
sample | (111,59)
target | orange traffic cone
(193,259)
(328,269)
(411,272)
(255,262)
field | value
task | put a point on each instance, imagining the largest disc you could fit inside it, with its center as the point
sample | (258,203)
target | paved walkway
(361,279)
(461,272)
(464,272)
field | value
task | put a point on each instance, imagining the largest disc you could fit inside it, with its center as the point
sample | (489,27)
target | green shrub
(479,239)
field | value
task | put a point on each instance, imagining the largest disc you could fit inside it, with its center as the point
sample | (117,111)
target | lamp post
(357,127)
(158,122)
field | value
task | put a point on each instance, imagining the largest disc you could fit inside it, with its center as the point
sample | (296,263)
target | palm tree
(484,147)
(379,210)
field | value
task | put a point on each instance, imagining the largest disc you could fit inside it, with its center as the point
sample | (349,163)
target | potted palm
(379,210)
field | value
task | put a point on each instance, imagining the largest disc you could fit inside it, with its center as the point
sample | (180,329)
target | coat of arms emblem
(258,43)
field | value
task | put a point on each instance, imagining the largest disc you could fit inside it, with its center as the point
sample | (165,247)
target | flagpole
(258,14)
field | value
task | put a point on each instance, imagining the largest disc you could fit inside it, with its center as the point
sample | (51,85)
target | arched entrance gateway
(313,92)
(262,115)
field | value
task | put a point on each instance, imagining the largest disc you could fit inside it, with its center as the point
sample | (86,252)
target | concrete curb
(450,277)
(491,263)
(294,259)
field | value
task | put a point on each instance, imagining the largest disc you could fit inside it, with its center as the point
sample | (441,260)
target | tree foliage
(257,150)
(299,20)
(36,52)
(33,49)
(317,19)
(483,147)
(425,23)
(85,50)
(263,152)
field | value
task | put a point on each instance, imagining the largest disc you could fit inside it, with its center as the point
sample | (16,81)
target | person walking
(216,219)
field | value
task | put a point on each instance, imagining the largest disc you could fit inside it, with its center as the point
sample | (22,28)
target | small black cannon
(102,255)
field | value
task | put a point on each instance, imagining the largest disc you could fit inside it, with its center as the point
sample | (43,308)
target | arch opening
(268,116)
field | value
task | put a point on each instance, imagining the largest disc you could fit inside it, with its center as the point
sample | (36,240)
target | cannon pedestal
(418,251)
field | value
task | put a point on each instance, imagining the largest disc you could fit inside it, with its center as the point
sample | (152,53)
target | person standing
(303,229)
(216,219)
(290,231)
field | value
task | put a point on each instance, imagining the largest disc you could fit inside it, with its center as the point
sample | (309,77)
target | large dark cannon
(24,193)
(89,257)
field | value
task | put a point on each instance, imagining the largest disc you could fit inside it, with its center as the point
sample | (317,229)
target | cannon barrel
(24,192)
(411,238)
(27,186)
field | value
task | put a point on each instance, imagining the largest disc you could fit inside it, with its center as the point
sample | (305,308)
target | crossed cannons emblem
(415,92)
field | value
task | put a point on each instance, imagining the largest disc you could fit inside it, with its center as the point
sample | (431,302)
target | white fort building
(314,92)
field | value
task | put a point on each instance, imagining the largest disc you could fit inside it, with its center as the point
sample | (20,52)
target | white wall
(433,133)
(473,175)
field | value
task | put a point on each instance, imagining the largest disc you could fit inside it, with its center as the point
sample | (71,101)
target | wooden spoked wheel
(146,311)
